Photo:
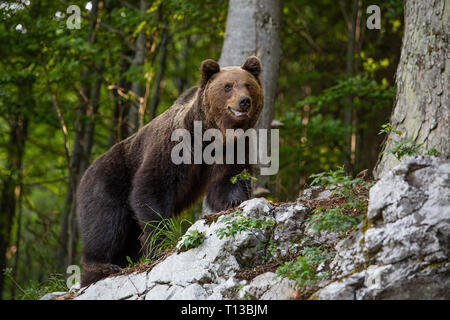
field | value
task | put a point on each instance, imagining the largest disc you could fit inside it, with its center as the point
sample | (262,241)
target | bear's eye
(248,86)
(227,88)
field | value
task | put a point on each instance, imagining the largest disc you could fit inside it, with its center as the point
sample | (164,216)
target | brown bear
(135,181)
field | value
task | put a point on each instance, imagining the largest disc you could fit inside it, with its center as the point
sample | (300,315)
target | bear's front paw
(224,195)
(104,268)
(235,200)
(235,203)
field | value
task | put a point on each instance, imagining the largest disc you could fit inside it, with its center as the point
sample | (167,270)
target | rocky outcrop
(209,271)
(399,251)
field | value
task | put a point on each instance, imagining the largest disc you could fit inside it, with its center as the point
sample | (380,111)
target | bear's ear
(208,69)
(253,65)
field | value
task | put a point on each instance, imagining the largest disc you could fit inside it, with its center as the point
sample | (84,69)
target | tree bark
(421,109)
(119,128)
(10,192)
(181,81)
(136,86)
(18,236)
(253,28)
(154,101)
(350,114)
(81,149)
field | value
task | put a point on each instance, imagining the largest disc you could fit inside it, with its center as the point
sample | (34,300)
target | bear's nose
(244,102)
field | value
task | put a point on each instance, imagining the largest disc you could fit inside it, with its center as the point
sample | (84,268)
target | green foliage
(318,98)
(35,290)
(336,180)
(403,146)
(361,86)
(333,178)
(433,152)
(304,270)
(164,234)
(239,223)
(257,226)
(335,219)
(332,220)
(271,251)
(387,128)
(192,239)
(132,264)
(319,126)
(314,95)
(244,176)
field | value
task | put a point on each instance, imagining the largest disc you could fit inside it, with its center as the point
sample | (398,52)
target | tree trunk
(136,87)
(15,267)
(119,128)
(75,161)
(253,28)
(10,192)
(82,146)
(81,150)
(421,109)
(181,81)
(350,114)
(154,101)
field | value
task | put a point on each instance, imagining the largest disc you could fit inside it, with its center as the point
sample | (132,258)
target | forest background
(67,95)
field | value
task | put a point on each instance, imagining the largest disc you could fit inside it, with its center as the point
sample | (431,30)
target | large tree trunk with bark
(421,109)
(252,28)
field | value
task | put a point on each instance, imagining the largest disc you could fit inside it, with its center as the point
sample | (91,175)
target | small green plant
(299,270)
(129,260)
(340,183)
(304,270)
(433,152)
(240,223)
(387,128)
(192,239)
(36,290)
(164,233)
(331,220)
(329,178)
(142,259)
(402,146)
(244,175)
(316,255)
(335,219)
(271,251)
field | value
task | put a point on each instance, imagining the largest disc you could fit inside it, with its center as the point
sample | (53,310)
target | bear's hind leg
(107,241)
(93,272)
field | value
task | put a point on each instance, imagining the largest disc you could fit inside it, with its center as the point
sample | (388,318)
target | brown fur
(124,187)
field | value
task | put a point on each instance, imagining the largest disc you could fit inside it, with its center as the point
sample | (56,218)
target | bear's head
(232,96)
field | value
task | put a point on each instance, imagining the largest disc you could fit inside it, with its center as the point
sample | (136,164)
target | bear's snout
(237,113)
(240,107)
(244,102)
